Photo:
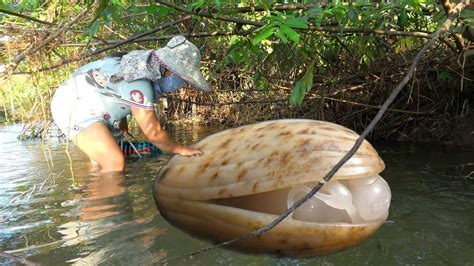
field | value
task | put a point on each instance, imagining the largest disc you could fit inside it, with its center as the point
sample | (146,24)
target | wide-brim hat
(183,58)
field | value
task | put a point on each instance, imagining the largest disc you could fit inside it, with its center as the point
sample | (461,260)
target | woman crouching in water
(101,94)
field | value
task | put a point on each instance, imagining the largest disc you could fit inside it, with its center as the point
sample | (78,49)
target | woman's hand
(153,131)
(188,151)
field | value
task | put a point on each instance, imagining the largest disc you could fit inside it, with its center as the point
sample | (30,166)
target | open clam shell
(221,195)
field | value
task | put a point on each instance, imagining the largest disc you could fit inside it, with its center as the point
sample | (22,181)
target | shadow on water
(112,219)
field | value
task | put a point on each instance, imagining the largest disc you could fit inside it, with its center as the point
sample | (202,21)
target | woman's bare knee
(101,147)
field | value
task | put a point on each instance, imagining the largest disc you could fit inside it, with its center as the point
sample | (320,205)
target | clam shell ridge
(264,157)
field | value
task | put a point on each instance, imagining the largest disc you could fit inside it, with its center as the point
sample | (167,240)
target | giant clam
(251,174)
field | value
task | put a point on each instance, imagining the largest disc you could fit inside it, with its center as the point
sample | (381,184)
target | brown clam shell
(258,158)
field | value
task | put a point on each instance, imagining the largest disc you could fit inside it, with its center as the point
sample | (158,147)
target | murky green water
(113,220)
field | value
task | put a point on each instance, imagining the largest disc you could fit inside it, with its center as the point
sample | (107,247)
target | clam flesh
(249,175)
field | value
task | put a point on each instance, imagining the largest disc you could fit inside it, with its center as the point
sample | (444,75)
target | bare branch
(115,45)
(310,28)
(448,9)
(161,37)
(290,7)
(34,49)
(26,17)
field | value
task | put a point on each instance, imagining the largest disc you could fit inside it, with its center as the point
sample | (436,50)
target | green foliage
(299,30)
(467,15)
(444,75)
(301,87)
(282,26)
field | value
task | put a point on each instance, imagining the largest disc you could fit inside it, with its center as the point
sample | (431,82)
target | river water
(55,213)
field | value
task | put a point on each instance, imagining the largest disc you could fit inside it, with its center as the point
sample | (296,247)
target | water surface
(55,212)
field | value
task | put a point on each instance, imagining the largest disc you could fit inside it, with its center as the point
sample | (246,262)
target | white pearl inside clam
(349,201)
(333,203)
(371,196)
(353,201)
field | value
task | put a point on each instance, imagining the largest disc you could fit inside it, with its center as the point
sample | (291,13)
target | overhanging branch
(210,15)
(11,13)
(157,38)
(115,45)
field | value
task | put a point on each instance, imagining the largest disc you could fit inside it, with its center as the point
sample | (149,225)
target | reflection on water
(112,219)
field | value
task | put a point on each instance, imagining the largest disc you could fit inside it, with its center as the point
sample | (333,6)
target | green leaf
(262,35)
(258,76)
(297,23)
(197,4)
(218,4)
(163,10)
(92,30)
(279,34)
(301,87)
(468,16)
(340,14)
(444,75)
(151,9)
(290,33)
(403,18)
(265,4)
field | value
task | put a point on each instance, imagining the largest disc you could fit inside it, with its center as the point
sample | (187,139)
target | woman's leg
(101,147)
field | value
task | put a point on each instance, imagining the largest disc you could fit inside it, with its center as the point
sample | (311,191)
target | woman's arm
(153,131)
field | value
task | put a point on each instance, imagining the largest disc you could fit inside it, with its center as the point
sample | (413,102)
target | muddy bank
(463,131)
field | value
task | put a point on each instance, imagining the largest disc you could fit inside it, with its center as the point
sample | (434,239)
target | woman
(100,94)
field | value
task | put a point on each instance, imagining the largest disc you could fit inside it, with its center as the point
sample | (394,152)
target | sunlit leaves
(197,4)
(290,33)
(340,12)
(262,35)
(282,26)
(403,18)
(301,87)
(265,4)
(294,22)
(405,44)
(279,33)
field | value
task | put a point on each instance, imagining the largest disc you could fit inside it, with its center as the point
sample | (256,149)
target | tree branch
(115,45)
(448,9)
(210,15)
(33,50)
(26,17)
(162,37)
(290,7)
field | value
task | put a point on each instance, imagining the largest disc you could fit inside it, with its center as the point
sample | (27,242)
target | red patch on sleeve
(137,96)
(107,116)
